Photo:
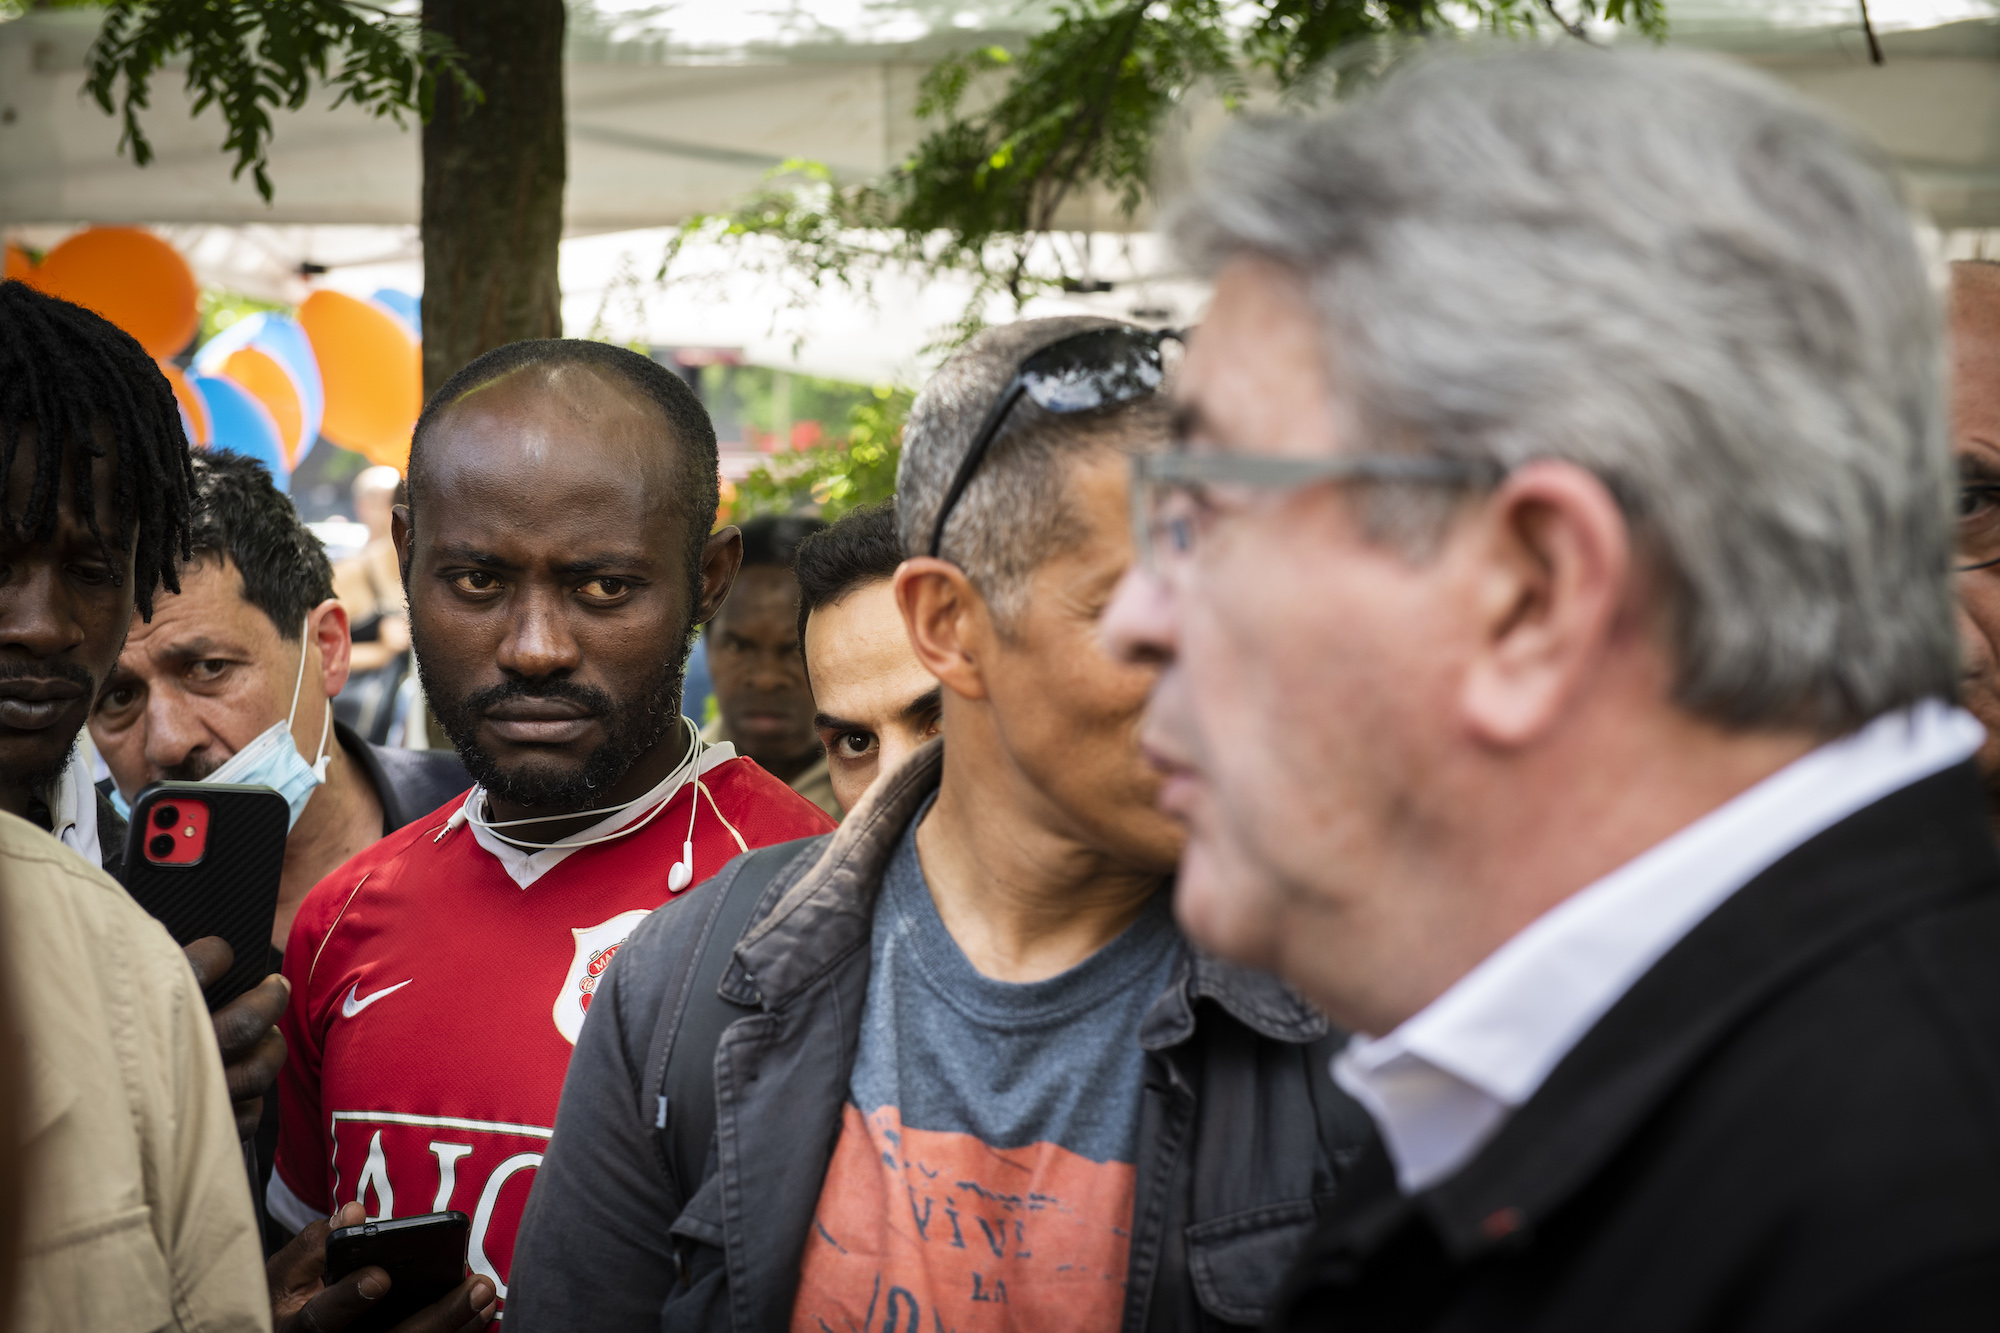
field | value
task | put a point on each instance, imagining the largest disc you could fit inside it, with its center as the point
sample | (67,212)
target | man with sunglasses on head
(954,1066)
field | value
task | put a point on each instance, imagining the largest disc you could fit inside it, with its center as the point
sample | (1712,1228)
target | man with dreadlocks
(94,479)
(89,532)
(140,1211)
(141,1214)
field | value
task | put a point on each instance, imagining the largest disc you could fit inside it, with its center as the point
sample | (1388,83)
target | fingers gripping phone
(424,1257)
(206,859)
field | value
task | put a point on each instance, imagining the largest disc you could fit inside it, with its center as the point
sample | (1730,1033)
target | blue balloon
(241,424)
(408,308)
(284,340)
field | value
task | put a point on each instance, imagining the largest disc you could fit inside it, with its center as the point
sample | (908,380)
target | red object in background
(179,834)
(805,434)
(707,356)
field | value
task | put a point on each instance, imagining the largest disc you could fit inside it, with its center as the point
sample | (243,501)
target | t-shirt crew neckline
(1021,1006)
(525,867)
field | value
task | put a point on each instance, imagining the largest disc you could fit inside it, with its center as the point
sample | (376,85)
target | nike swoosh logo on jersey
(353,1005)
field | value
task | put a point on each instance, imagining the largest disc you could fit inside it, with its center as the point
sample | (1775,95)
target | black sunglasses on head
(1080,373)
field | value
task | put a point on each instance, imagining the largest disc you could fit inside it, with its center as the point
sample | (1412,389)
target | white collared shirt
(73,808)
(1442,1083)
(525,867)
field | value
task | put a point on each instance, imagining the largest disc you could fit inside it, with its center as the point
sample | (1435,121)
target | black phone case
(424,1257)
(232,891)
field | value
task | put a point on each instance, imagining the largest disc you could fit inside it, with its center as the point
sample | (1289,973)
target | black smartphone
(205,859)
(424,1257)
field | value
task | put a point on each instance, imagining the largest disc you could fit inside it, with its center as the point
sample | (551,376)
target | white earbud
(682,874)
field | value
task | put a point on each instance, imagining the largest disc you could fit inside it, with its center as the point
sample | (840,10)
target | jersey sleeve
(299,1193)
(764,809)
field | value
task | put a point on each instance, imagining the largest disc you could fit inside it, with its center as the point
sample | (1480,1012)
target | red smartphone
(206,859)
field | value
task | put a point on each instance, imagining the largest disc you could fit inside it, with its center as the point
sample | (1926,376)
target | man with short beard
(556,555)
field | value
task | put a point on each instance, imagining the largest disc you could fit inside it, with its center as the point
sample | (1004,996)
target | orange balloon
(374,376)
(132,278)
(270,385)
(191,403)
(18,265)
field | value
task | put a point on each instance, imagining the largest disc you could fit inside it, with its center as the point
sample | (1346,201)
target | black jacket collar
(1824,898)
(409,783)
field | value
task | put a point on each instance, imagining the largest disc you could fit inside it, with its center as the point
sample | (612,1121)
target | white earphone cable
(689,770)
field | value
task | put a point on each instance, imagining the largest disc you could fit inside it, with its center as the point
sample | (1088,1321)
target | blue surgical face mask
(272,759)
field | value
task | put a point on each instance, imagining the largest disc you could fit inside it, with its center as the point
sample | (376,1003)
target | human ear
(399,533)
(947,621)
(1552,563)
(329,628)
(721,557)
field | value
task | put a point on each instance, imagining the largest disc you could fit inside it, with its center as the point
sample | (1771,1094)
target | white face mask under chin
(272,758)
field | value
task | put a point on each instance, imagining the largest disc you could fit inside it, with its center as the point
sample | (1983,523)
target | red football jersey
(435,1003)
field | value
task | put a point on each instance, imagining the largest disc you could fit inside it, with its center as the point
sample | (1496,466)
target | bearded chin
(631,729)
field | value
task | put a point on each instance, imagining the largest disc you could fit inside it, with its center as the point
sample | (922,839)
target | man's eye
(92,575)
(853,744)
(117,699)
(207,670)
(474,580)
(605,589)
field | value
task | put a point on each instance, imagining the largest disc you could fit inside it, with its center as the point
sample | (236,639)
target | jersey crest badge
(595,946)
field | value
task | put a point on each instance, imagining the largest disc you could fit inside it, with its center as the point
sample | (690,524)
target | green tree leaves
(1085,105)
(249,57)
(842,474)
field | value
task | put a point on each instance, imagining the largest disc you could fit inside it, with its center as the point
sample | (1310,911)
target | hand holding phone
(246,1032)
(305,1298)
(206,859)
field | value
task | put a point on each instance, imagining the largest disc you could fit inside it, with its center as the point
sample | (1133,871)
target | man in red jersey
(556,554)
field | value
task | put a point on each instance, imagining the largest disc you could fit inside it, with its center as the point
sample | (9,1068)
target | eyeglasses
(1173,498)
(1085,371)
(1978,525)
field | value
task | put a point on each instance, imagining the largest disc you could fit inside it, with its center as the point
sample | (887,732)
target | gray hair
(1668,272)
(1015,514)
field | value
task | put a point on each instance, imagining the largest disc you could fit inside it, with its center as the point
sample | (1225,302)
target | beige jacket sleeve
(139,1212)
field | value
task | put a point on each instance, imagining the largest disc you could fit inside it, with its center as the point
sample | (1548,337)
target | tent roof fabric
(655,139)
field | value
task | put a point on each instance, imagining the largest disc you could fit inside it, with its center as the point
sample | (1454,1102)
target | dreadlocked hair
(64,370)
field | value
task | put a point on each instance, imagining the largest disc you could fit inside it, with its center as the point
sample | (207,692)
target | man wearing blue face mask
(231,681)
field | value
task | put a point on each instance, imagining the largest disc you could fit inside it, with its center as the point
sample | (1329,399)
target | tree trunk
(493,183)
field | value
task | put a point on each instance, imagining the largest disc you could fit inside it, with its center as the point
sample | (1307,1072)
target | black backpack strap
(681,1057)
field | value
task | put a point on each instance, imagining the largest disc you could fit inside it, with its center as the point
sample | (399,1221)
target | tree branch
(1576,30)
(1875,56)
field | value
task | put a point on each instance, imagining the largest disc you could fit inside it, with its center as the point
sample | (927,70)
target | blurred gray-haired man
(1549,592)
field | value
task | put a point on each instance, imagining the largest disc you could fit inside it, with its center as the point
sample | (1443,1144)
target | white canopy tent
(675,111)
